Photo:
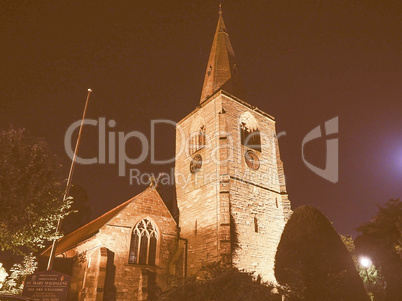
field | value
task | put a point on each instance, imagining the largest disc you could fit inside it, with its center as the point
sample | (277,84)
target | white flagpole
(68,185)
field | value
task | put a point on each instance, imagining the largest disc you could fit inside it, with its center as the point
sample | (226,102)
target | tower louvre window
(201,137)
(143,243)
(197,139)
(249,131)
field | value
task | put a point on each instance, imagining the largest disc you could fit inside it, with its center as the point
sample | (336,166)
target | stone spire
(221,73)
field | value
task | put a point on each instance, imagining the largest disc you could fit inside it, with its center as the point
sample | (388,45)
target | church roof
(221,70)
(81,234)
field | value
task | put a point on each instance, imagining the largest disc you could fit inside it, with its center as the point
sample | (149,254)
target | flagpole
(68,185)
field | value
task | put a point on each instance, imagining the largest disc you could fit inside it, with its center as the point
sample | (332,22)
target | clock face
(252,160)
(195,164)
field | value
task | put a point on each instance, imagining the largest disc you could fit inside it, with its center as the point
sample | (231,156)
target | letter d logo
(330,172)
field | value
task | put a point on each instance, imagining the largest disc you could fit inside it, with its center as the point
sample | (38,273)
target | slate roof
(222,72)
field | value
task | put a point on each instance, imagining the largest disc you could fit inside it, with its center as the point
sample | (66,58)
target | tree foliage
(223,283)
(14,283)
(30,191)
(380,239)
(373,280)
(3,275)
(313,264)
(80,210)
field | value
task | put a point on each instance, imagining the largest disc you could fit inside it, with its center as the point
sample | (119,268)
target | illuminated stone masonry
(231,196)
(230,211)
(234,208)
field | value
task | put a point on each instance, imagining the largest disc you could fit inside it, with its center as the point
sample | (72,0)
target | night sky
(304,62)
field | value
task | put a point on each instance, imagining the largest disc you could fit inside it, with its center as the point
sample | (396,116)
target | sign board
(47,286)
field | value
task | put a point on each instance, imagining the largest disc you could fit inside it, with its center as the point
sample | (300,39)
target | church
(231,196)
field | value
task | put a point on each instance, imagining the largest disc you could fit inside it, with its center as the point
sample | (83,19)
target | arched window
(201,137)
(197,136)
(250,134)
(143,243)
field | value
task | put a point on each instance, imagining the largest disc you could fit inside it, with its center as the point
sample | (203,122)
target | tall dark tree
(313,264)
(30,191)
(380,239)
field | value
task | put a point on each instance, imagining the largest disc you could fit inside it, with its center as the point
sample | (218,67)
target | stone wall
(198,194)
(228,211)
(256,203)
(101,269)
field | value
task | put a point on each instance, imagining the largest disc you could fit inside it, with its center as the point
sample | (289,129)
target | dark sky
(303,62)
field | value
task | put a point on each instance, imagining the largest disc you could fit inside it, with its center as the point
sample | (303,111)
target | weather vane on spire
(220,8)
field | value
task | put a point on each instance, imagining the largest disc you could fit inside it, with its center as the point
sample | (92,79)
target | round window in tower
(195,164)
(252,160)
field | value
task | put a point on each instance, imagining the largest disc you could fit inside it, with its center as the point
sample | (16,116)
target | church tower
(230,184)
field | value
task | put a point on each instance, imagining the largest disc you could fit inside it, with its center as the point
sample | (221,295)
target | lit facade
(231,196)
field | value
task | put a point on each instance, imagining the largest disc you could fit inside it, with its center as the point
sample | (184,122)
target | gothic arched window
(201,137)
(143,243)
(197,137)
(250,134)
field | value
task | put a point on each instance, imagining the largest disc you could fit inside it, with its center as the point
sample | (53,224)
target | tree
(80,210)
(3,275)
(313,264)
(224,283)
(380,239)
(373,280)
(14,283)
(30,191)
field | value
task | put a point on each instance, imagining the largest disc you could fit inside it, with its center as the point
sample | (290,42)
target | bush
(221,283)
(312,263)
